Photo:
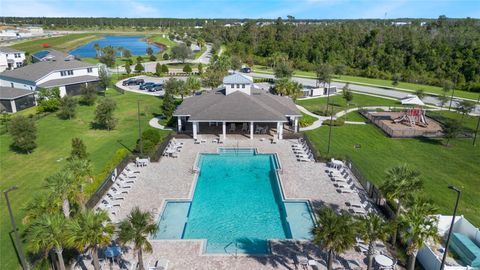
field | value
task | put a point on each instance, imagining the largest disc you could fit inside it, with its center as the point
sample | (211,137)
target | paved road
(365,89)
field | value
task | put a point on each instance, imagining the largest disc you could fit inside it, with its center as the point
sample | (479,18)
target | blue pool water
(237,206)
(135,44)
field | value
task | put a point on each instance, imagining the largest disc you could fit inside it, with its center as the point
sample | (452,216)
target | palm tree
(40,204)
(135,229)
(192,84)
(335,233)
(81,170)
(46,233)
(97,49)
(373,228)
(60,186)
(120,50)
(401,182)
(90,230)
(417,227)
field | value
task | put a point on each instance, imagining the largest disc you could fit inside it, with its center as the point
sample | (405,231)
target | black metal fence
(108,182)
(160,149)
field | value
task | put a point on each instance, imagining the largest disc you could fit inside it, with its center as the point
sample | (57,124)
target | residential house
(11,58)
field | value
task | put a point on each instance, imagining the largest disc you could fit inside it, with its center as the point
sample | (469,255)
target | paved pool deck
(173,178)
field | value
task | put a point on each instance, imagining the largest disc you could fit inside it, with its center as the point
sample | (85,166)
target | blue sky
(314,9)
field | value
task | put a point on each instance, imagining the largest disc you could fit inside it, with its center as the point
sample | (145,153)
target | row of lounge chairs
(173,148)
(302,152)
(111,201)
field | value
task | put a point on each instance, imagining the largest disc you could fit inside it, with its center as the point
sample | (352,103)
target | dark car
(131,81)
(140,81)
(246,70)
(146,85)
(156,88)
(151,87)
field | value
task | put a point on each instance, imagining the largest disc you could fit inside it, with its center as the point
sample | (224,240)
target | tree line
(434,52)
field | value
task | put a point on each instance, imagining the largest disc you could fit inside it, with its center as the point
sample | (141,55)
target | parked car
(156,88)
(133,81)
(145,86)
(246,70)
(140,81)
(150,87)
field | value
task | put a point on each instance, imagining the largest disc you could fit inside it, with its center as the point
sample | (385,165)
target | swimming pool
(237,206)
(136,44)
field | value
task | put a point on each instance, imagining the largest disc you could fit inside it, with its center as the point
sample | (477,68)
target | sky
(301,9)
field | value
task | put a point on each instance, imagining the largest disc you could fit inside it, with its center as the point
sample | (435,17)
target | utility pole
(139,129)
(14,226)
(478,124)
(453,92)
(330,131)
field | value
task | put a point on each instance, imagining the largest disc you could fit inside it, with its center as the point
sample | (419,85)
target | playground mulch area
(403,129)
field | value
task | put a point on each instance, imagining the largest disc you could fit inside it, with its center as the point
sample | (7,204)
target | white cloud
(34,8)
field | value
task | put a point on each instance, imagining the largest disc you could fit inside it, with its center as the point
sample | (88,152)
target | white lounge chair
(344,190)
(304,159)
(160,265)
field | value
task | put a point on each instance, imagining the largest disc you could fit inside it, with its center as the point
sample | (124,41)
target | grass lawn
(470,122)
(440,166)
(378,82)
(306,120)
(316,105)
(199,53)
(355,117)
(165,41)
(62,43)
(54,143)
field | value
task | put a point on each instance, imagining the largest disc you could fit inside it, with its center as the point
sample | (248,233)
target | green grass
(316,105)
(199,53)
(470,122)
(306,120)
(376,82)
(355,117)
(440,166)
(165,41)
(53,139)
(62,43)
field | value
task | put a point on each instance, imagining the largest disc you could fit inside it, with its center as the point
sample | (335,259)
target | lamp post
(14,226)
(139,129)
(451,226)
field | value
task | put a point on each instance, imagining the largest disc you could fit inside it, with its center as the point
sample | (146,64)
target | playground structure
(412,117)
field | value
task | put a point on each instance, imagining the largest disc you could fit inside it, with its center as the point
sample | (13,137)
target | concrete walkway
(154,122)
(315,124)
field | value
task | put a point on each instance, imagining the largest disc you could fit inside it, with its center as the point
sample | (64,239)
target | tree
(396,79)
(443,99)
(127,53)
(90,230)
(139,68)
(236,62)
(400,183)
(175,87)
(465,107)
(213,78)
(192,84)
(373,228)
(108,56)
(283,69)
(418,225)
(285,87)
(165,56)
(46,233)
(104,114)
(128,69)
(60,186)
(149,51)
(324,74)
(105,78)
(81,170)
(24,133)
(136,229)
(152,58)
(420,93)
(68,106)
(187,68)
(79,150)
(348,96)
(120,50)
(181,52)
(49,100)
(89,94)
(158,69)
(451,130)
(334,233)
(340,69)
(164,69)
(200,68)
(97,50)
(168,105)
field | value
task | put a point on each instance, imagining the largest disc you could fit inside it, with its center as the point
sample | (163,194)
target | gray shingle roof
(10,93)
(9,50)
(36,71)
(237,78)
(237,106)
(68,81)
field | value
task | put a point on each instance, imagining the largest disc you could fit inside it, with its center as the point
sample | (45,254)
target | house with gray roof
(14,99)
(58,70)
(239,105)
(11,58)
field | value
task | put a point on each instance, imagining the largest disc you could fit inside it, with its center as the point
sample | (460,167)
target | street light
(451,226)
(17,237)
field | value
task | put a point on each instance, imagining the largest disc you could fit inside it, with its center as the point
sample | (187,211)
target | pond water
(136,44)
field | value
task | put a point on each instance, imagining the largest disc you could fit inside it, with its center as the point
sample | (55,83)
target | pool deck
(173,178)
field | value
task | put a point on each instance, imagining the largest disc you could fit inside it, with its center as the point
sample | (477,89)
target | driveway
(367,89)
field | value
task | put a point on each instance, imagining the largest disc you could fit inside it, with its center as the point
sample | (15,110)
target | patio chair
(244,127)
(343,190)
(304,159)
(232,127)
(274,140)
(358,211)
(161,264)
(196,141)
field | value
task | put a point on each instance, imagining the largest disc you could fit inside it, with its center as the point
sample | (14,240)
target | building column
(251,130)
(280,131)
(179,124)
(194,127)
(295,124)
(13,105)
(224,131)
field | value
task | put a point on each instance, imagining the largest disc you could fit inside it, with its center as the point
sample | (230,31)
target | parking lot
(136,88)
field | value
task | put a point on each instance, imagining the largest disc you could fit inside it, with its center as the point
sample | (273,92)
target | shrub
(107,169)
(336,122)
(152,58)
(89,95)
(68,106)
(151,135)
(79,150)
(24,133)
(165,56)
(48,105)
(187,69)
(139,67)
(104,114)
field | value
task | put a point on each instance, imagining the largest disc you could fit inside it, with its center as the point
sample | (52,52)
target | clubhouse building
(238,107)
